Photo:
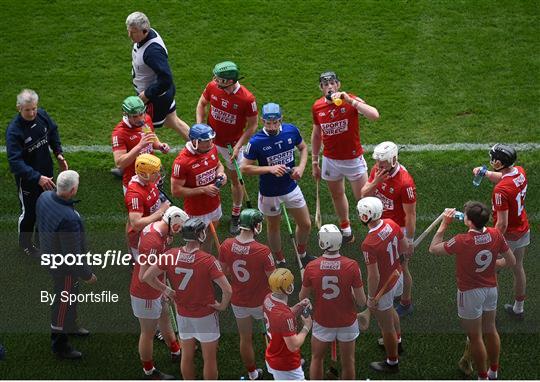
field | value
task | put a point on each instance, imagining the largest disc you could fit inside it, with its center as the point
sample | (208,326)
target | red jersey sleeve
(372,174)
(451,246)
(178,170)
(370,257)
(500,200)
(503,244)
(408,192)
(356,276)
(118,141)
(134,202)
(214,268)
(222,253)
(252,106)
(207,92)
(287,325)
(308,275)
(269,265)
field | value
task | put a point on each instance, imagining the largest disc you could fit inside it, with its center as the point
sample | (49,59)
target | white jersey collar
(377,227)
(511,173)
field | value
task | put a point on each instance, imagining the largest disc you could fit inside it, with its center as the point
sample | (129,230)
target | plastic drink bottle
(458,215)
(479,176)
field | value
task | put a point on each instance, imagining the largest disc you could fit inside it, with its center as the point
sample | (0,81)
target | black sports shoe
(32,252)
(348,239)
(156,374)
(175,358)
(509,308)
(380,342)
(117,172)
(234,226)
(69,353)
(306,259)
(79,332)
(384,367)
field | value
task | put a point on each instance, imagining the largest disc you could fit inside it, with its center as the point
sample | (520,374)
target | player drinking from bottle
(282,355)
(147,303)
(394,186)
(233,116)
(476,255)
(336,283)
(273,149)
(248,265)
(193,273)
(381,248)
(337,128)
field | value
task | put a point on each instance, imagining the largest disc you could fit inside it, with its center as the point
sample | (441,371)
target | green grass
(439,72)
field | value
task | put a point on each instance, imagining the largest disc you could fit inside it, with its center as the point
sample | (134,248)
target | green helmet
(227,70)
(133,105)
(250,217)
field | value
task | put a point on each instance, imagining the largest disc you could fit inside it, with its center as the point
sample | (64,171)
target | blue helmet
(271,111)
(201,132)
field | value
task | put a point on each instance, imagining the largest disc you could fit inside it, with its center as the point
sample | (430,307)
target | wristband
(307,329)
(354,103)
(315,162)
(410,240)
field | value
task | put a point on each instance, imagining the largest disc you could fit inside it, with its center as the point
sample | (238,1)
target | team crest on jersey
(235,106)
(343,110)
(391,190)
(213,157)
(224,103)
(333,113)
(383,186)
(289,141)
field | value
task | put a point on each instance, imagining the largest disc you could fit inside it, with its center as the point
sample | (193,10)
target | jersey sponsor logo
(206,177)
(222,116)
(388,204)
(155,206)
(184,258)
(330,265)
(240,249)
(519,180)
(482,239)
(38,145)
(385,232)
(281,158)
(146,149)
(334,128)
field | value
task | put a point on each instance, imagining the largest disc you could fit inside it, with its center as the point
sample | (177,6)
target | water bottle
(336,101)
(219,182)
(479,176)
(458,215)
(147,130)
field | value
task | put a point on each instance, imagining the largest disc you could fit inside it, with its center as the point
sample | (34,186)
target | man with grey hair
(61,233)
(28,138)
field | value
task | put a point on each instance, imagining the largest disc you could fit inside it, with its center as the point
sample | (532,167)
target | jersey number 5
(329,283)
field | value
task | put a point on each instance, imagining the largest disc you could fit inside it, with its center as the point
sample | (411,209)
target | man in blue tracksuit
(28,138)
(62,234)
(273,149)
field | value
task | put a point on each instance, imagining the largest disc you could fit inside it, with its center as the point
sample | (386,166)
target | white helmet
(330,238)
(369,208)
(386,151)
(175,218)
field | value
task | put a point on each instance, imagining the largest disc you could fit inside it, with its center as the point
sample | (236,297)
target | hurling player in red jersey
(382,248)
(338,129)
(336,283)
(129,140)
(248,265)
(509,215)
(233,116)
(197,175)
(282,355)
(390,181)
(192,273)
(142,199)
(477,254)
(147,303)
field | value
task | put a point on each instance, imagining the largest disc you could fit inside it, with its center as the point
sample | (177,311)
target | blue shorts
(161,106)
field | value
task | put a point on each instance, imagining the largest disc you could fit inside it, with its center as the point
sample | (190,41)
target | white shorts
(387,299)
(271,205)
(224,152)
(291,375)
(134,253)
(148,309)
(203,329)
(472,303)
(241,312)
(523,241)
(210,217)
(335,169)
(342,334)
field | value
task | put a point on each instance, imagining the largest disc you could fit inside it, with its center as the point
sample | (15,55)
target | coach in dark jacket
(28,138)
(61,232)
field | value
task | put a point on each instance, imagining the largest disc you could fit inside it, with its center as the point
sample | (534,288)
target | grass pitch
(439,72)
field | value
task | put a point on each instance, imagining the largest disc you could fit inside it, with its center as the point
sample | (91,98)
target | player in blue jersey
(270,154)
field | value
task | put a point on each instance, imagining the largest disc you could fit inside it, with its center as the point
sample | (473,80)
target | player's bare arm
(251,128)
(295,342)
(437,245)
(508,260)
(502,221)
(305,293)
(220,173)
(297,309)
(200,111)
(493,176)
(369,188)
(250,167)
(62,163)
(298,171)
(226,293)
(373,279)
(315,150)
(138,222)
(410,224)
(359,296)
(123,158)
(362,107)
(151,277)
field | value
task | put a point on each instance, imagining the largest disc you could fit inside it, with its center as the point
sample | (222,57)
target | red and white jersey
(340,129)
(228,112)
(397,190)
(280,322)
(197,170)
(249,263)
(191,276)
(381,246)
(476,253)
(331,278)
(143,198)
(152,242)
(126,138)
(509,195)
